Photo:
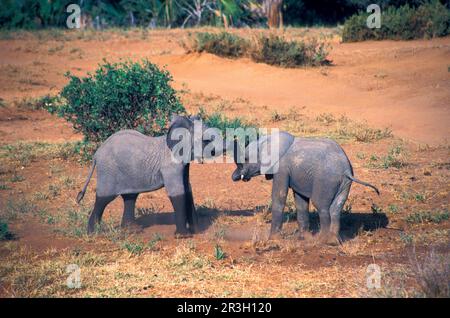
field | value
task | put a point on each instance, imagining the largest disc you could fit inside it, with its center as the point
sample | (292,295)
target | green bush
(32,14)
(221,44)
(220,121)
(431,19)
(117,96)
(272,49)
(276,50)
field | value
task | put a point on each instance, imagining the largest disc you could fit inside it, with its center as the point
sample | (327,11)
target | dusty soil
(401,85)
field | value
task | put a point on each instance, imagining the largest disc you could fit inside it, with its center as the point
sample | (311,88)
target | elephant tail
(83,191)
(363,183)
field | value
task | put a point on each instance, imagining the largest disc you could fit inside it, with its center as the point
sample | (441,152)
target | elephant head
(187,139)
(261,156)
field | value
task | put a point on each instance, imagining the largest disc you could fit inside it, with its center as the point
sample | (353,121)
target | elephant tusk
(242,177)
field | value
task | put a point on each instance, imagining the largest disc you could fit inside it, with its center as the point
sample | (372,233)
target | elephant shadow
(353,223)
(206,217)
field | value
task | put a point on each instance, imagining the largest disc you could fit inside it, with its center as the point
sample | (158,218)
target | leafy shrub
(220,121)
(32,14)
(222,44)
(117,96)
(272,49)
(431,19)
(276,50)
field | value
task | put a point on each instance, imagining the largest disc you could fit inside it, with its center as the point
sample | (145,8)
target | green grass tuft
(427,217)
(219,254)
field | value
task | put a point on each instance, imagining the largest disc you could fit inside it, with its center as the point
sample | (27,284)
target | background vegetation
(33,14)
(428,20)
(270,49)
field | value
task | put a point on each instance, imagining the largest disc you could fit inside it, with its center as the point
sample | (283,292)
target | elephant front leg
(174,182)
(302,207)
(279,193)
(180,205)
(191,213)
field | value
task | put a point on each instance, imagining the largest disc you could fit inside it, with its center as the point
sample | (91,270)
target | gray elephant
(129,163)
(316,169)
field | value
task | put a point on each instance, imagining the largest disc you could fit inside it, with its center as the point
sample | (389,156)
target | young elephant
(129,163)
(316,169)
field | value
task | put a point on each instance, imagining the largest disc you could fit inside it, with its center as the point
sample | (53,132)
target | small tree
(118,96)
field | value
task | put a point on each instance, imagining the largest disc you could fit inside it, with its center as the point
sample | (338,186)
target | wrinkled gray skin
(317,170)
(129,163)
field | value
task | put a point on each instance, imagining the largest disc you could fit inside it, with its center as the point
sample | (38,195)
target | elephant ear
(278,142)
(177,122)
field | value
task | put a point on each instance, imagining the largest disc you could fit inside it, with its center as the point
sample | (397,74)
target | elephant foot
(329,239)
(90,230)
(193,229)
(91,226)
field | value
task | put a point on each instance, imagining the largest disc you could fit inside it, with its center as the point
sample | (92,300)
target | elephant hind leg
(325,220)
(129,204)
(336,209)
(97,212)
(302,207)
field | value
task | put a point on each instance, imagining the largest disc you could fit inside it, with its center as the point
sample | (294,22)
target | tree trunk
(273,13)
